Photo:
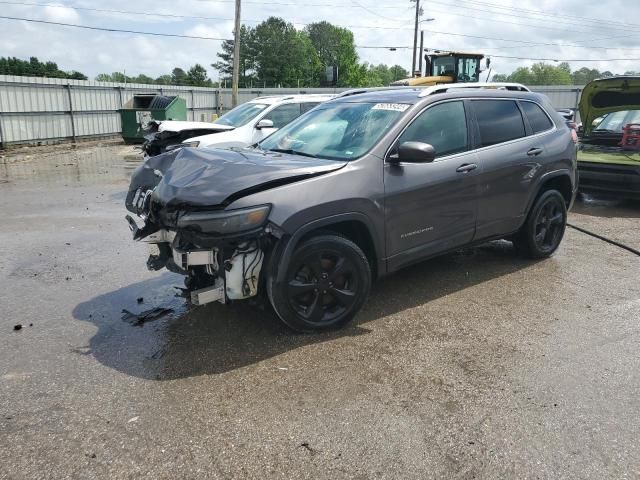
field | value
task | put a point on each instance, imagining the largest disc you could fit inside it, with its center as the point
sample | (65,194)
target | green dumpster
(141,109)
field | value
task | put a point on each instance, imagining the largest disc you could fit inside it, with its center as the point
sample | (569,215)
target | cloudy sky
(553,29)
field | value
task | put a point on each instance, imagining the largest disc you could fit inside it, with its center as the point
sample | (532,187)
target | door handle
(466,167)
(534,151)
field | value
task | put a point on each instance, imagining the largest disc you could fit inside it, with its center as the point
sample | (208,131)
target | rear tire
(327,281)
(544,228)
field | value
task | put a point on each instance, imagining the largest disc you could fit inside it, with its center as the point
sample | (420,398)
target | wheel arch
(559,180)
(355,226)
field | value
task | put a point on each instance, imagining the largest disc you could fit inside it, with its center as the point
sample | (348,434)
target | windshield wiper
(293,152)
(606,130)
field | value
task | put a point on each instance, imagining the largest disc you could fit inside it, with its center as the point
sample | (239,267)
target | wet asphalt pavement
(474,365)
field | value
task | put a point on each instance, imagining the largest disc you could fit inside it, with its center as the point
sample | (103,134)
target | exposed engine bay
(161,136)
(182,198)
(214,274)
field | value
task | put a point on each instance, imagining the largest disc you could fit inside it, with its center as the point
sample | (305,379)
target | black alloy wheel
(544,228)
(327,282)
(549,225)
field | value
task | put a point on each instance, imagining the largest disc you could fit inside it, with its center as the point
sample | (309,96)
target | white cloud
(56,12)
(93,52)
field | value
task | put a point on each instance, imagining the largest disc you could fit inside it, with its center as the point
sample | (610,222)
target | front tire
(544,228)
(327,281)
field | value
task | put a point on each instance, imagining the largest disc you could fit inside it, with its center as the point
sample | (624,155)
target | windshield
(340,131)
(614,122)
(241,115)
(444,66)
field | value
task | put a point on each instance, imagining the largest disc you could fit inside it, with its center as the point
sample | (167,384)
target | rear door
(510,154)
(280,116)
(431,207)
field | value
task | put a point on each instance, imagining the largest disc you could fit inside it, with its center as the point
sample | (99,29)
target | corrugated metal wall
(34,110)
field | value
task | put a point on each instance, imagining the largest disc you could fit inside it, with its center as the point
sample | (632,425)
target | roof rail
(445,87)
(358,91)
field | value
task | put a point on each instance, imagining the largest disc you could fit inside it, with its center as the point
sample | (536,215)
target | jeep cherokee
(357,188)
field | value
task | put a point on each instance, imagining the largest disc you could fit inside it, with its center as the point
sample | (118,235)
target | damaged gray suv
(357,188)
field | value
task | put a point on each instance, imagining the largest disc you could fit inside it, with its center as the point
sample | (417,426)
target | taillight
(573,126)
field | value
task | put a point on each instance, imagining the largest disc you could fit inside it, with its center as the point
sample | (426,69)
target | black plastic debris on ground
(17,327)
(138,319)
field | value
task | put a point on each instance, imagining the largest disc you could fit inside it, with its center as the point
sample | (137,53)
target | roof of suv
(302,98)
(414,95)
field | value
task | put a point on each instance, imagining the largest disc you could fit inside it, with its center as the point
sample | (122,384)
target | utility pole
(415,38)
(236,58)
(421,53)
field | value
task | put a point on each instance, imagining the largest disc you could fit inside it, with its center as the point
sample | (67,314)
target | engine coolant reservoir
(242,272)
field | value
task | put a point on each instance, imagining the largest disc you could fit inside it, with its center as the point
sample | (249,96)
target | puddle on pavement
(82,166)
(608,206)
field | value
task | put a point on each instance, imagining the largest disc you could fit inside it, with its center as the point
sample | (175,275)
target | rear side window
(284,114)
(538,120)
(444,126)
(308,106)
(499,121)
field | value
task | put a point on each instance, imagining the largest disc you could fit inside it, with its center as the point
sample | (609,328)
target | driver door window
(283,114)
(444,126)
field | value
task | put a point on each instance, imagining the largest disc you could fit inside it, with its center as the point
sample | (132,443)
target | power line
(385,47)
(551,59)
(157,34)
(525,42)
(171,15)
(103,10)
(568,60)
(104,29)
(497,20)
(562,16)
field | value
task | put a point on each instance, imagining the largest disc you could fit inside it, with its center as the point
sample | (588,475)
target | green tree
(197,76)
(335,47)
(164,80)
(284,56)
(539,74)
(34,67)
(178,76)
(397,72)
(225,65)
(142,79)
(75,75)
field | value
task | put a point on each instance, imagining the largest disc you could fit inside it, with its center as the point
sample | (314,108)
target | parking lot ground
(473,365)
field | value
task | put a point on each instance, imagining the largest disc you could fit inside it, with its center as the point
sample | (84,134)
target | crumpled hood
(178,126)
(608,95)
(194,177)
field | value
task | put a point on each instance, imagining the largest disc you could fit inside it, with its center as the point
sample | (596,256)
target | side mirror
(264,123)
(414,152)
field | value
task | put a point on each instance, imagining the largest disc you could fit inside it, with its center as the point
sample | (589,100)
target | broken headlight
(231,221)
(169,148)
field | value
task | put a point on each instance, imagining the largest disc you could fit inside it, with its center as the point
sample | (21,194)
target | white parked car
(244,125)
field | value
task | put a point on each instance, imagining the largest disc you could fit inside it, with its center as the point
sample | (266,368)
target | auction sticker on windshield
(395,107)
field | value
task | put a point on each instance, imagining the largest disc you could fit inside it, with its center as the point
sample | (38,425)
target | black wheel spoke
(540,236)
(297,287)
(315,311)
(556,219)
(315,264)
(340,269)
(343,297)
